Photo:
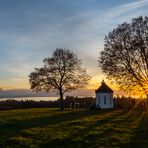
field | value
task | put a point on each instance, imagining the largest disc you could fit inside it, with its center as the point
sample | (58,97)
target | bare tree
(125,55)
(63,72)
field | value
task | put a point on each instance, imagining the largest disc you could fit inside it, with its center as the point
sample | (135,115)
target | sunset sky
(31,30)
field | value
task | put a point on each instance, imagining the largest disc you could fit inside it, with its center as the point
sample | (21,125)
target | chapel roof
(104,88)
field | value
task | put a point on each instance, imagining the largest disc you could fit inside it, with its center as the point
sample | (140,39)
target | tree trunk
(61,100)
(147,101)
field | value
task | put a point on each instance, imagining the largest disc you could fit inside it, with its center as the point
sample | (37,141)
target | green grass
(52,128)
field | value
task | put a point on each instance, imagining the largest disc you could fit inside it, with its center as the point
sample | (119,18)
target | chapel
(104,96)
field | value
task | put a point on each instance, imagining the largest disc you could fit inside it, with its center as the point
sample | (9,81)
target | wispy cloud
(120,10)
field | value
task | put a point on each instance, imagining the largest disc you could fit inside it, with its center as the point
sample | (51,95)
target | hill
(12,93)
(73,128)
(29,93)
(1,90)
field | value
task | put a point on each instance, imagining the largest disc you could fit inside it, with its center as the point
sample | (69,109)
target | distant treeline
(14,104)
(129,102)
(73,102)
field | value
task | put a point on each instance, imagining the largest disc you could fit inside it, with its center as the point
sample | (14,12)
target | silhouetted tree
(63,72)
(125,55)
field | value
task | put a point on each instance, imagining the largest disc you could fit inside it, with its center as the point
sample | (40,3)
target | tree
(63,72)
(125,55)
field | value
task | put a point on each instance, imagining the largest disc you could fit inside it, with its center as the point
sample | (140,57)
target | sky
(31,30)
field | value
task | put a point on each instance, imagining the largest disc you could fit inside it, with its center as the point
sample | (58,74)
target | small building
(104,97)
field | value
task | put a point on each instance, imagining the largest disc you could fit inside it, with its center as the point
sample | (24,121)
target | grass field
(52,128)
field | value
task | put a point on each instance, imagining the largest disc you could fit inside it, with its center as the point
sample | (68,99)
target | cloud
(125,8)
(38,30)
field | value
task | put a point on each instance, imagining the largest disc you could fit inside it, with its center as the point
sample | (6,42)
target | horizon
(32,30)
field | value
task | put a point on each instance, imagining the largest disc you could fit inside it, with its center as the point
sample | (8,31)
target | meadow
(52,128)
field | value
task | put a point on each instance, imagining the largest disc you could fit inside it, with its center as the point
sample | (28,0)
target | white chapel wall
(100,100)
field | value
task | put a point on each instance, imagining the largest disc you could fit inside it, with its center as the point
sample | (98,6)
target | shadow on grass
(116,131)
(84,134)
(11,132)
(140,137)
(17,125)
(13,127)
(111,130)
(77,129)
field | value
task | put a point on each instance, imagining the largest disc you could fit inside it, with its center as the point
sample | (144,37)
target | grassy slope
(73,128)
